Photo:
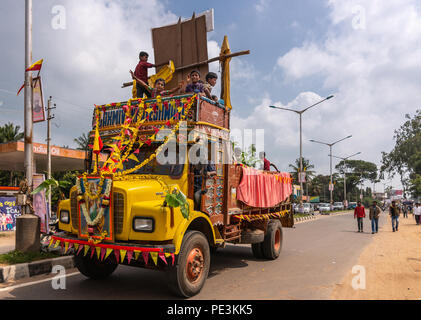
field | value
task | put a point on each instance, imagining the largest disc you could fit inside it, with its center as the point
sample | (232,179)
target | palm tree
(306,167)
(9,132)
(82,142)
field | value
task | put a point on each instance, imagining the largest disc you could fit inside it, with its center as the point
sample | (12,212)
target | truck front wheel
(93,268)
(272,245)
(188,276)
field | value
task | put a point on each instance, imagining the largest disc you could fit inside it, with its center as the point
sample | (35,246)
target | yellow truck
(133,208)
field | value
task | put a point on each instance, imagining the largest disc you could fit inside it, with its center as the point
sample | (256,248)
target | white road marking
(34,282)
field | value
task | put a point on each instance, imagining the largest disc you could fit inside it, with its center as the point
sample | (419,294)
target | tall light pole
(29,157)
(330,145)
(300,113)
(344,160)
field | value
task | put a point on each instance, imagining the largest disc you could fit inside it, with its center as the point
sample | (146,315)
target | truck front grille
(73,210)
(118,209)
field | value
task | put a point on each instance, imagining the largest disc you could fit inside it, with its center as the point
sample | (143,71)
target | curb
(26,270)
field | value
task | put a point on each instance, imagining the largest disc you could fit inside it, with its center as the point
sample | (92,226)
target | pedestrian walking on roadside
(394,215)
(359,214)
(405,211)
(417,213)
(374,217)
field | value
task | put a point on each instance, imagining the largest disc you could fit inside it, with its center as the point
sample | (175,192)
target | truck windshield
(173,169)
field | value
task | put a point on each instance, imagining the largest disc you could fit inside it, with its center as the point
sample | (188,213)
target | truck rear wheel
(188,276)
(93,268)
(272,245)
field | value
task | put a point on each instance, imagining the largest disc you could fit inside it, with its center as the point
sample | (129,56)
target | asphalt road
(316,256)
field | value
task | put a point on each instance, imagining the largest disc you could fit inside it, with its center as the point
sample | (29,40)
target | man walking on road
(359,213)
(394,215)
(417,213)
(374,217)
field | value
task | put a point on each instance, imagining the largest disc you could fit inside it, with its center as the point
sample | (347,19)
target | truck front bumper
(102,250)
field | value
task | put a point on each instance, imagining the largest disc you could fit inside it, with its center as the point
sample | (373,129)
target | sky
(365,53)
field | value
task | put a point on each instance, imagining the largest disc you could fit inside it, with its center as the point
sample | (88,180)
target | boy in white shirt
(417,213)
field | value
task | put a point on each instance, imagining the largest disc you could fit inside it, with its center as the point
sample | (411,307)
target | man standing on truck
(266,162)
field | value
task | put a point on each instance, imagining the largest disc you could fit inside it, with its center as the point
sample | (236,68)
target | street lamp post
(300,113)
(344,159)
(330,145)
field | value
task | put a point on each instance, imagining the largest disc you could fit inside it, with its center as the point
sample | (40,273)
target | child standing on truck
(159,87)
(141,72)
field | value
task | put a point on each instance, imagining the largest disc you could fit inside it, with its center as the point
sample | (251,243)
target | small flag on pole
(36,66)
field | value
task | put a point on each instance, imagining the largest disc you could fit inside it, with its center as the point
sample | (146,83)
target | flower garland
(105,201)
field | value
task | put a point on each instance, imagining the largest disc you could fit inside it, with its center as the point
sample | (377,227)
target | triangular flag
(80,249)
(97,141)
(117,255)
(103,251)
(108,253)
(66,246)
(36,66)
(123,255)
(85,249)
(162,256)
(51,242)
(57,243)
(154,256)
(136,255)
(70,245)
(137,151)
(98,251)
(133,157)
(145,256)
(92,251)
(173,258)
(129,256)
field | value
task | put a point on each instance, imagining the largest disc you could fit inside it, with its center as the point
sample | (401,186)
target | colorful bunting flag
(145,256)
(129,256)
(108,253)
(98,251)
(162,256)
(117,255)
(154,256)
(123,255)
(136,255)
(85,249)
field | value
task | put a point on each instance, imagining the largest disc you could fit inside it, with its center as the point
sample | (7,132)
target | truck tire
(256,248)
(190,272)
(272,245)
(94,269)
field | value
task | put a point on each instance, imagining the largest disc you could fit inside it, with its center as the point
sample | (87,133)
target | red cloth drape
(261,189)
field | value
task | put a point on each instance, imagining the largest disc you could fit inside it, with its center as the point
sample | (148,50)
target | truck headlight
(141,224)
(64,216)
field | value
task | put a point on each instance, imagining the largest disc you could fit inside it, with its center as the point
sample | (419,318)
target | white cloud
(374,72)
(262,5)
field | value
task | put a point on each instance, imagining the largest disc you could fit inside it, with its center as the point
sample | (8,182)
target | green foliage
(405,158)
(15,257)
(9,132)
(82,142)
(178,199)
(306,167)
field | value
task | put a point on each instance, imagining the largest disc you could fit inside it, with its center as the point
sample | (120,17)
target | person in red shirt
(359,213)
(141,72)
(266,163)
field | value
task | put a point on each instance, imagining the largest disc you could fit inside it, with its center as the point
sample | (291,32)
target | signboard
(331,187)
(315,199)
(9,211)
(38,114)
(114,117)
(302,177)
(40,203)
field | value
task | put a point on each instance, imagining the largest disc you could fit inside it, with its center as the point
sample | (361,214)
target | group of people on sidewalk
(374,214)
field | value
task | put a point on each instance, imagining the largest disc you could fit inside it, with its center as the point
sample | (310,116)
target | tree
(82,142)
(306,167)
(10,133)
(405,158)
